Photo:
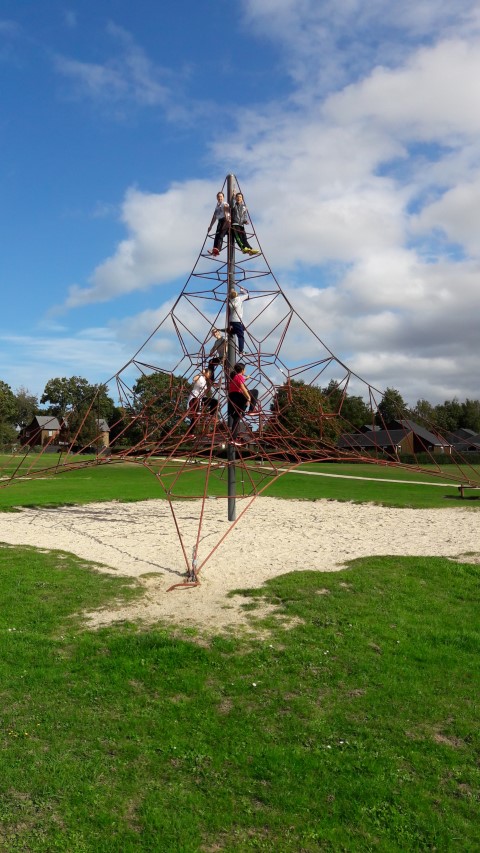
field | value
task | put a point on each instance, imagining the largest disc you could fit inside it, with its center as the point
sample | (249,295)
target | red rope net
(303,412)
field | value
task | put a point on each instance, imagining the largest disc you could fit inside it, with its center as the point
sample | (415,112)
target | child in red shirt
(238,398)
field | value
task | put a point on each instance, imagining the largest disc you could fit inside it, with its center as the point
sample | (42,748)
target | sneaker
(253,251)
(215,252)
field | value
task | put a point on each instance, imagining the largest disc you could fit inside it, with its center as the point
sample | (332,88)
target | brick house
(47,430)
(402,436)
(42,430)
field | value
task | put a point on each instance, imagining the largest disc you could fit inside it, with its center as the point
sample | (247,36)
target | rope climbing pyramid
(233,389)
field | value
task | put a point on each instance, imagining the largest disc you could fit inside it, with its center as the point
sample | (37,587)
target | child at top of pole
(221,215)
(239,215)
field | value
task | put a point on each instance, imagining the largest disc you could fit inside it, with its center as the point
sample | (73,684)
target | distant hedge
(471,458)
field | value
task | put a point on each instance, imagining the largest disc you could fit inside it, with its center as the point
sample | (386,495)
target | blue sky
(352,126)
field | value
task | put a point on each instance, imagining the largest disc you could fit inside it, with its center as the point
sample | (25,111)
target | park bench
(463,486)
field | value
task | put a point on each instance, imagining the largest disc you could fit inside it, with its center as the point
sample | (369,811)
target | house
(470,443)
(402,436)
(461,434)
(46,430)
(42,430)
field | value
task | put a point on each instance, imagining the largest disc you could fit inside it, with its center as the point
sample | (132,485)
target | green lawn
(354,730)
(133,481)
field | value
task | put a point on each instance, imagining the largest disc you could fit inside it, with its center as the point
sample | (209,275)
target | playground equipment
(304,411)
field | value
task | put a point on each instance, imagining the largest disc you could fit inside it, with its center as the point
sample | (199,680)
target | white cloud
(164,238)
(357,198)
(93,80)
(328,43)
(457,213)
(433,96)
(131,77)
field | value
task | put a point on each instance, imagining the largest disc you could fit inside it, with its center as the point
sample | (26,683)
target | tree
(470,417)
(391,408)
(120,430)
(298,410)
(79,406)
(448,415)
(8,404)
(352,409)
(159,404)
(424,413)
(81,429)
(8,414)
(27,405)
(76,393)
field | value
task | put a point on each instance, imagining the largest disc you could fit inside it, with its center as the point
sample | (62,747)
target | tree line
(81,405)
(299,406)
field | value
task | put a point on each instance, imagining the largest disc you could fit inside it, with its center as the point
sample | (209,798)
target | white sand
(273,537)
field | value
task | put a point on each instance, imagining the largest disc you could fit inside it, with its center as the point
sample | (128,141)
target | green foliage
(392,407)
(8,404)
(8,415)
(336,732)
(161,398)
(351,408)
(424,413)
(120,435)
(76,393)
(448,415)
(8,435)
(82,429)
(298,408)
(27,406)
(470,417)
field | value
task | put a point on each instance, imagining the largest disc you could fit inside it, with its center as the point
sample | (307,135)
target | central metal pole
(231,360)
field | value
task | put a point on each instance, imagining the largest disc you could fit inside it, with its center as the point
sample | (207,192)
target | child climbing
(198,390)
(238,398)
(221,215)
(239,217)
(236,301)
(216,355)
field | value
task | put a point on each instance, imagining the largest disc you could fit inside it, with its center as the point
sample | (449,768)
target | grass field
(354,730)
(133,481)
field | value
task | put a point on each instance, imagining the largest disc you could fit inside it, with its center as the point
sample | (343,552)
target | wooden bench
(463,486)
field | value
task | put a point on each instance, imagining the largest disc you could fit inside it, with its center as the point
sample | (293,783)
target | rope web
(303,411)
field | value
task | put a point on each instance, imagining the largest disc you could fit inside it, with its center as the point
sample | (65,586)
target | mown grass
(354,730)
(134,481)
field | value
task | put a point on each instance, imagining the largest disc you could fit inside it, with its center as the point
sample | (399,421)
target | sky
(353,127)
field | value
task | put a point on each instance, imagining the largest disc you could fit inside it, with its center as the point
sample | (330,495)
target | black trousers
(220,234)
(237,405)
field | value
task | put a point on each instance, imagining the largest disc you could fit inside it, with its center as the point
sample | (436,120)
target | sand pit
(273,537)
